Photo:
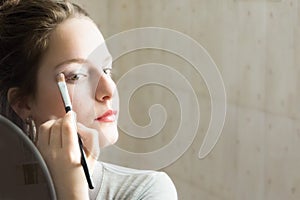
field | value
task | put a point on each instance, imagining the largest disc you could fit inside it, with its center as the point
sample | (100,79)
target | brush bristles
(60,77)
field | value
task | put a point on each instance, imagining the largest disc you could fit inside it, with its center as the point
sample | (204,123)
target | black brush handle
(84,165)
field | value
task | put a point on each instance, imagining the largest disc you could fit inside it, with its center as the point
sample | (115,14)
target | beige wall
(256,46)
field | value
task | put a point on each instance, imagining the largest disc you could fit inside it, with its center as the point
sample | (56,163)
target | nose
(105,88)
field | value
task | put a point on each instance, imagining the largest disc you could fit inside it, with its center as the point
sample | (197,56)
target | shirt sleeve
(159,187)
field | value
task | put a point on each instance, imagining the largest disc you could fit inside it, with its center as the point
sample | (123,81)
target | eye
(107,71)
(75,77)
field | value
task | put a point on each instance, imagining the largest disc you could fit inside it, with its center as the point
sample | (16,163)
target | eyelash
(108,71)
(75,77)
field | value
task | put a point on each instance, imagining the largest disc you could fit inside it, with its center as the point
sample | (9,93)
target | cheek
(82,100)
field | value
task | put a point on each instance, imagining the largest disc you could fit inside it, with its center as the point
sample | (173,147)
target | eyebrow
(73,60)
(79,61)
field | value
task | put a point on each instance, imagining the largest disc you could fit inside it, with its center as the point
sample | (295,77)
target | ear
(20,105)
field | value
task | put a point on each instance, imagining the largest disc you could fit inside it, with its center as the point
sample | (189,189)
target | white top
(120,183)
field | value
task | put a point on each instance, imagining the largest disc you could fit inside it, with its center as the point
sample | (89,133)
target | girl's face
(77,50)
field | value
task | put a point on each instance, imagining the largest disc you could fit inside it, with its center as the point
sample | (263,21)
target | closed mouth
(108,116)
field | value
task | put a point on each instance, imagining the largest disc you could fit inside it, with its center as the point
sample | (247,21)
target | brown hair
(25,29)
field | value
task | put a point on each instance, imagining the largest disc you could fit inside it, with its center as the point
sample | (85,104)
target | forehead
(75,38)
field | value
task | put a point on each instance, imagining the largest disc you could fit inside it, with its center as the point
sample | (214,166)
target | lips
(108,116)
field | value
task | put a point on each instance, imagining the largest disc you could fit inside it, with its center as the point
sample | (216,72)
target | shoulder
(140,184)
(160,186)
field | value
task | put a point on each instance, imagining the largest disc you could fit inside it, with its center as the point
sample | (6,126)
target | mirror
(23,172)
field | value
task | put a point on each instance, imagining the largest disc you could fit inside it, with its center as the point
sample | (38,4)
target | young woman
(40,39)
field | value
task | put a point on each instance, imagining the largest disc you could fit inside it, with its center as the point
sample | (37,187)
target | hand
(90,140)
(58,144)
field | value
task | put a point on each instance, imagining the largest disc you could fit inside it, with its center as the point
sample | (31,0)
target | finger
(69,131)
(44,134)
(55,137)
(90,140)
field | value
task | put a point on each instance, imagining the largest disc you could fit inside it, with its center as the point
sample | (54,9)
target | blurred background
(256,46)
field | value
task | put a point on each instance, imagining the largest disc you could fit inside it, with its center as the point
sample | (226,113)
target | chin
(109,135)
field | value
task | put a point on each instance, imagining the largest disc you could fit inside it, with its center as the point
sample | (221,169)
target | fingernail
(74,116)
(74,119)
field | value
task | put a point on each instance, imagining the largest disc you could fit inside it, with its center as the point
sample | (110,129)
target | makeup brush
(60,78)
